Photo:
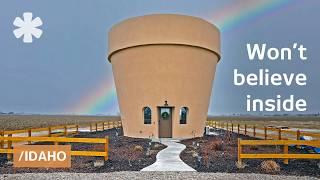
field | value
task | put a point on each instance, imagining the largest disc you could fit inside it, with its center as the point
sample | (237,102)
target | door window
(165,113)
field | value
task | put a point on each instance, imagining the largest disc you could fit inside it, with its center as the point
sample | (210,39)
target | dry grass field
(13,122)
(301,122)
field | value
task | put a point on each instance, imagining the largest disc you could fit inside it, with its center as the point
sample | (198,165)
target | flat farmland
(299,122)
(14,122)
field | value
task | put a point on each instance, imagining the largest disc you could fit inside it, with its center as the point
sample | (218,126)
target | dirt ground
(219,154)
(14,122)
(125,154)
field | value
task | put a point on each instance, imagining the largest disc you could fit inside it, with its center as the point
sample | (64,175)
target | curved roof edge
(164,29)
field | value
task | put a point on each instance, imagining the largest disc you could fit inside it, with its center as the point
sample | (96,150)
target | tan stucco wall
(158,58)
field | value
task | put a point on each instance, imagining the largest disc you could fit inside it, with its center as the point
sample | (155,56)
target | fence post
(49,131)
(239,151)
(65,131)
(279,134)
(90,127)
(254,131)
(106,148)
(103,126)
(231,127)
(29,135)
(77,128)
(265,133)
(227,126)
(238,128)
(245,129)
(96,127)
(285,151)
(298,137)
(2,141)
(9,155)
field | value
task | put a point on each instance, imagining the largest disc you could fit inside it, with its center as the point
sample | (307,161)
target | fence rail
(97,125)
(262,131)
(57,140)
(285,143)
(57,131)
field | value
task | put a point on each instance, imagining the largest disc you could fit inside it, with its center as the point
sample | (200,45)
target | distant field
(13,122)
(302,122)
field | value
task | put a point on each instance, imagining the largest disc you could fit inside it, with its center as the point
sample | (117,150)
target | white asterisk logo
(27,27)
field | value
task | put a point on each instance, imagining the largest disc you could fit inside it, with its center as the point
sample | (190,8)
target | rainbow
(103,98)
(242,12)
(100,100)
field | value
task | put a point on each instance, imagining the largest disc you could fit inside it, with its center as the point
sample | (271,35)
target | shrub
(156,146)
(216,145)
(151,152)
(206,156)
(270,166)
(241,165)
(194,154)
(138,148)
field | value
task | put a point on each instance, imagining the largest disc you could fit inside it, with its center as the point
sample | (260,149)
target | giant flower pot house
(164,67)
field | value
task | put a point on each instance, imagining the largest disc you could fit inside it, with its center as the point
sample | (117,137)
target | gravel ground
(219,154)
(123,155)
(152,175)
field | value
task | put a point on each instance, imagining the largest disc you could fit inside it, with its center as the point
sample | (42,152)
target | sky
(65,71)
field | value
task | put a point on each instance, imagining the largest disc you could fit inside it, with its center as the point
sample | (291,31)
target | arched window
(183,115)
(147,115)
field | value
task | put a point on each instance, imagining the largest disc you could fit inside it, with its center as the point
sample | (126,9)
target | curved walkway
(168,159)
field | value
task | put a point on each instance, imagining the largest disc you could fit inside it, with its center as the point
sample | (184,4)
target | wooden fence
(285,143)
(57,140)
(267,133)
(57,131)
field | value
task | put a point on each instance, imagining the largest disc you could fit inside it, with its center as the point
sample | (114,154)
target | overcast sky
(65,65)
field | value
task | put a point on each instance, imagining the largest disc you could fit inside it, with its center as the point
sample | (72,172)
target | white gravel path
(151,175)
